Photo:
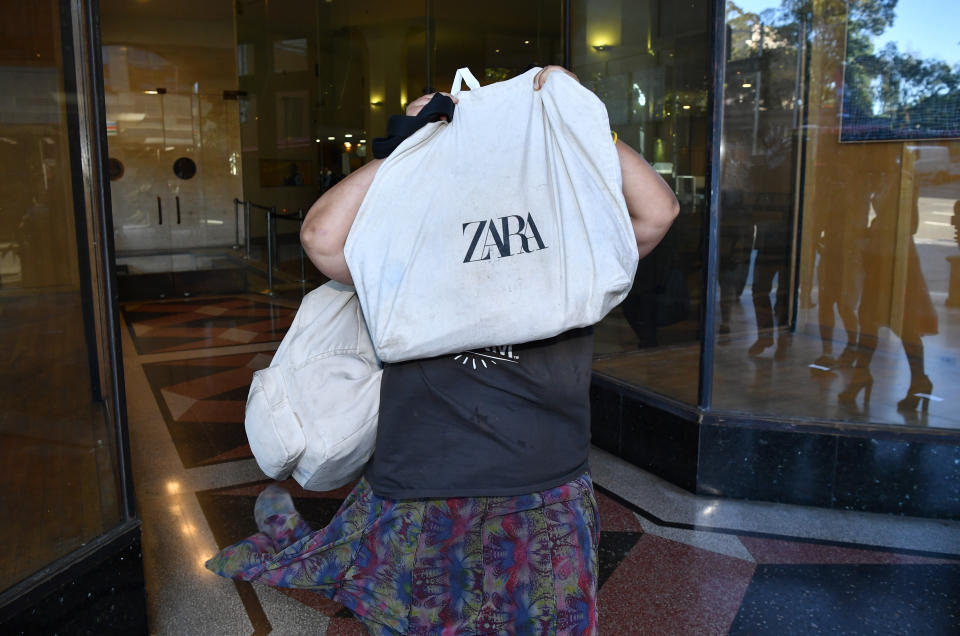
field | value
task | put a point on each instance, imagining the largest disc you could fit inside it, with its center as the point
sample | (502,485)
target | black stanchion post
(236,223)
(246,226)
(270,228)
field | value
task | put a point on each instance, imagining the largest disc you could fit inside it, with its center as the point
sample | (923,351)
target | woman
(476,514)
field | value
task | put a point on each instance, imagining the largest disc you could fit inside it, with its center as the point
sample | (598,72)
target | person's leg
(866,347)
(279,526)
(575,531)
(762,307)
(277,517)
(825,317)
(920,384)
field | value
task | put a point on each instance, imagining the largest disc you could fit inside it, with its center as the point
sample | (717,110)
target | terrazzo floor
(670,562)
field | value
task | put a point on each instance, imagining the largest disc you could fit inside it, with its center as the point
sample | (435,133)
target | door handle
(178,209)
(160,210)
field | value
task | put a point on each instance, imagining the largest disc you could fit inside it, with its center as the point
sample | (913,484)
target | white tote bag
(506,225)
(314,410)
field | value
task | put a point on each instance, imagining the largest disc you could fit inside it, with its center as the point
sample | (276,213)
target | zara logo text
(511,236)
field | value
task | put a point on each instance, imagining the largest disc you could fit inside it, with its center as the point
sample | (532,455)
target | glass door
(175,161)
(64,487)
(173,126)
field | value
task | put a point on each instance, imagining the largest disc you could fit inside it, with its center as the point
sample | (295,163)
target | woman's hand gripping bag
(313,412)
(505,225)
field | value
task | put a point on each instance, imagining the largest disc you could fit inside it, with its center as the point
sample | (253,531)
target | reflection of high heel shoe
(848,357)
(861,380)
(918,393)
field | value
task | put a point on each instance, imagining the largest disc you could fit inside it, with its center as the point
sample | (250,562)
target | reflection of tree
(882,82)
(890,88)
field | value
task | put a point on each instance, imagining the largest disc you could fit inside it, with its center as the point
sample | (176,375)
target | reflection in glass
(913,315)
(59,483)
(901,89)
(865,229)
(757,191)
(481,36)
(648,62)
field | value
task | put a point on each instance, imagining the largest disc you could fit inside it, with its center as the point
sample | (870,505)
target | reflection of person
(477,507)
(771,215)
(734,258)
(919,318)
(294,178)
(840,265)
(756,218)
(659,295)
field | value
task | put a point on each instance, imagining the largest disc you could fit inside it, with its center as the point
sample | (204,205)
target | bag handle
(464,75)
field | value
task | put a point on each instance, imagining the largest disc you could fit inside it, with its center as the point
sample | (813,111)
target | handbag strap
(399,127)
(464,75)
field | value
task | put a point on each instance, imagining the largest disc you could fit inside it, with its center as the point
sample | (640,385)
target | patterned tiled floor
(204,323)
(202,401)
(671,563)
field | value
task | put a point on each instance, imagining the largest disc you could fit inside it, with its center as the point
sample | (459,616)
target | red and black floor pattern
(202,402)
(651,584)
(656,576)
(181,325)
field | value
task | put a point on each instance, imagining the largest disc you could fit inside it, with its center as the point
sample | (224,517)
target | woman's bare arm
(328,222)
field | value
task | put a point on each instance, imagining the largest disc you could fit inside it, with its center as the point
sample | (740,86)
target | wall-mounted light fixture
(376,102)
(602,47)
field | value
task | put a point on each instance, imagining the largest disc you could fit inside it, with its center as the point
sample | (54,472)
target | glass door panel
(60,483)
(649,63)
(496,40)
(173,123)
(839,265)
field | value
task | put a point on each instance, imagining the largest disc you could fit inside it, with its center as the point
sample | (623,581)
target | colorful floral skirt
(479,565)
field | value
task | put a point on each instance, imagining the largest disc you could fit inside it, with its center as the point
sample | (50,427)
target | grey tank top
(491,422)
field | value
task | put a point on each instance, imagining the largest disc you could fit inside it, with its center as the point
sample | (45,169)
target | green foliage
(885,83)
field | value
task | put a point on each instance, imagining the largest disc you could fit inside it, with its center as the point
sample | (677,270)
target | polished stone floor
(671,562)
